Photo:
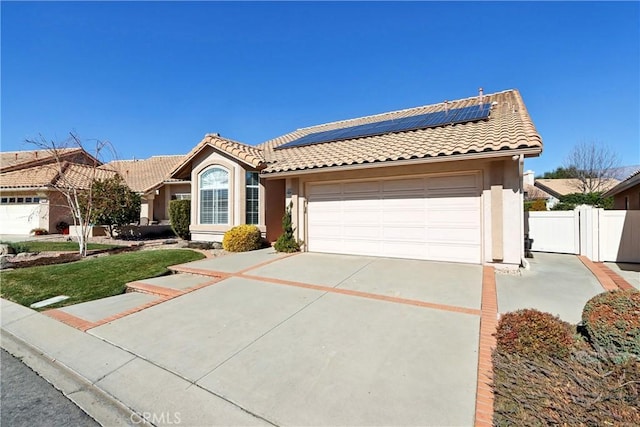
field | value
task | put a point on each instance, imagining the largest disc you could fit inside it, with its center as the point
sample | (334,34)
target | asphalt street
(29,400)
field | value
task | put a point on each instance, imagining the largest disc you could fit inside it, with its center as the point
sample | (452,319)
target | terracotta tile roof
(509,127)
(48,176)
(144,175)
(81,176)
(630,181)
(252,156)
(14,160)
(562,187)
(34,177)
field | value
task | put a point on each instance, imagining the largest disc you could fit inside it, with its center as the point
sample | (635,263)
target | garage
(19,218)
(435,217)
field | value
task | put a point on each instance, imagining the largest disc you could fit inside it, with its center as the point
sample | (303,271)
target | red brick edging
(609,280)
(618,280)
(488,323)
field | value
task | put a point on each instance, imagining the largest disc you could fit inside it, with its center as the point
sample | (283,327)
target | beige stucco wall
(162,200)
(502,175)
(207,158)
(633,196)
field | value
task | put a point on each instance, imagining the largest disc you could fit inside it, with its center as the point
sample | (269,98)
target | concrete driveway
(316,339)
(559,284)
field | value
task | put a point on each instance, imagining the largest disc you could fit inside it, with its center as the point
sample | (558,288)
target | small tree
(73,178)
(287,241)
(593,165)
(114,204)
(180,217)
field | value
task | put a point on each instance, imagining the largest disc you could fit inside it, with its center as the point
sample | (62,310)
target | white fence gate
(598,234)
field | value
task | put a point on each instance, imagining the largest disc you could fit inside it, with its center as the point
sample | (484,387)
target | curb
(103,408)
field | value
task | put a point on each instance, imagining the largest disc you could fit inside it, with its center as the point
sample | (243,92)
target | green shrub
(287,241)
(180,217)
(242,238)
(612,320)
(17,247)
(533,333)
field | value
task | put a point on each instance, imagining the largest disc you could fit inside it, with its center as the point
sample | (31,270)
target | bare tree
(593,166)
(74,169)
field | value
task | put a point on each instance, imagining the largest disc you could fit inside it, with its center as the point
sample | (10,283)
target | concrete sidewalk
(120,376)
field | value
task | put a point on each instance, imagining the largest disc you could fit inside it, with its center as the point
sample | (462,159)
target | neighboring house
(626,195)
(533,193)
(149,178)
(559,187)
(438,182)
(29,180)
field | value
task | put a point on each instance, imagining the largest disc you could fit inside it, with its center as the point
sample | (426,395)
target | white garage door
(431,218)
(19,218)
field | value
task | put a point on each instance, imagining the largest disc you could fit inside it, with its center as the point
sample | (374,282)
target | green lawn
(89,279)
(45,246)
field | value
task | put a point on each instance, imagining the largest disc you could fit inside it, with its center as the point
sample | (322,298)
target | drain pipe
(523,260)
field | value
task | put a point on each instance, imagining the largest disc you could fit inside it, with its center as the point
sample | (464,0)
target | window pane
(252,204)
(206,207)
(214,195)
(252,178)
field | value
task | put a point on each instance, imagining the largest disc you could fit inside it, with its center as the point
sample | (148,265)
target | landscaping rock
(170,242)
(6,250)
(4,262)
(216,245)
(25,255)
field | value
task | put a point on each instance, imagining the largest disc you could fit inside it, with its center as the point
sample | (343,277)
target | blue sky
(154,77)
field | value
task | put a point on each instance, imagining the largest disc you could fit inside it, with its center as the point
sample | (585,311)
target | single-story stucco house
(149,178)
(29,198)
(437,182)
(29,182)
(626,195)
(558,187)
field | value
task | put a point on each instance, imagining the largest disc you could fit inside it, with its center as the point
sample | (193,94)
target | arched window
(214,196)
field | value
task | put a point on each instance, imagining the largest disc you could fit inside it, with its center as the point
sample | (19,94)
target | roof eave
(623,186)
(526,152)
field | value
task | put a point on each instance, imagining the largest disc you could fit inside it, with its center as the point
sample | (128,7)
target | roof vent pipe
(446,106)
(480,95)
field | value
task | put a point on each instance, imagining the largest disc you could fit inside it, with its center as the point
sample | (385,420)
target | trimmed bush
(533,333)
(538,205)
(586,389)
(242,238)
(180,217)
(287,241)
(612,320)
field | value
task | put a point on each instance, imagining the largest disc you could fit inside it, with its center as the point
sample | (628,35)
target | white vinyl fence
(598,234)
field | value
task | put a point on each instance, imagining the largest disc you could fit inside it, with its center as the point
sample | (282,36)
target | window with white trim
(214,196)
(252,195)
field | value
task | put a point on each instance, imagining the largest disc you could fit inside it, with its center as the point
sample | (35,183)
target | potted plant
(62,227)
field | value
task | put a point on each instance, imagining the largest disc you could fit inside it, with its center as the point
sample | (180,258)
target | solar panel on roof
(403,124)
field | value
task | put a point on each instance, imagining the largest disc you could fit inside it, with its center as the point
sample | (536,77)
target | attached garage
(436,217)
(19,218)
